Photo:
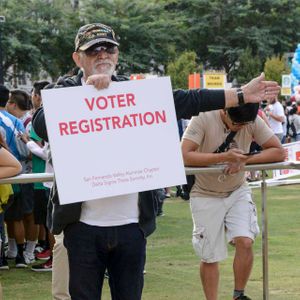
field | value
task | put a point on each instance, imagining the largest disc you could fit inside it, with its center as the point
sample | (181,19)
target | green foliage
(39,34)
(274,68)
(249,66)
(180,69)
(19,49)
(219,31)
(57,37)
(145,29)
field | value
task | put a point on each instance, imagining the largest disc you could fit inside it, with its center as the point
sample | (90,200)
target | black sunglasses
(94,51)
(242,123)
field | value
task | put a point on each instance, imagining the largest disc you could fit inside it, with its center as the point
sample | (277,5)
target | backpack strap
(191,178)
(226,143)
(27,121)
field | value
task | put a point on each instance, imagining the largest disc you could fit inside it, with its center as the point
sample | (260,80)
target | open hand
(259,89)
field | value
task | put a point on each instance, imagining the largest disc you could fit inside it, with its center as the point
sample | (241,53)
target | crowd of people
(283,117)
(25,218)
(81,242)
(291,124)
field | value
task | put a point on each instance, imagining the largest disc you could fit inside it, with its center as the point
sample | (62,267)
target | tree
(180,69)
(19,51)
(39,35)
(249,67)
(220,30)
(57,23)
(275,67)
(146,30)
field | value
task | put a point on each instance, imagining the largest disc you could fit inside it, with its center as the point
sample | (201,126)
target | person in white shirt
(275,113)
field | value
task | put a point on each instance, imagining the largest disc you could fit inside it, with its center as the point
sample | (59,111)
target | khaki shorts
(213,218)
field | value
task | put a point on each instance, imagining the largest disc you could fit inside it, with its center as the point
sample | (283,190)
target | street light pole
(2,20)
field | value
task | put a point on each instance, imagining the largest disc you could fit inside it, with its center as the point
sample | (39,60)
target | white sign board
(115,141)
(292,151)
(286,81)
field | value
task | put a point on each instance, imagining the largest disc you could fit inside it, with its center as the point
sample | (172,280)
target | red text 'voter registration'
(111,122)
(114,101)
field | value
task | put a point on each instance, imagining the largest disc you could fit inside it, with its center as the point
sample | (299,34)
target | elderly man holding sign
(110,233)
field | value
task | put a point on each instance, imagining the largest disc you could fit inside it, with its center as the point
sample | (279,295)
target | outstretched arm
(190,103)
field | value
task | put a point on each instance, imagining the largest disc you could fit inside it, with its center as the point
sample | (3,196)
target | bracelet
(240,95)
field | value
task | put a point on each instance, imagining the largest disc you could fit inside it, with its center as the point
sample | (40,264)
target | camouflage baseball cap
(91,34)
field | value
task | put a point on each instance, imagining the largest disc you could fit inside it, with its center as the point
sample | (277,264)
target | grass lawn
(172,268)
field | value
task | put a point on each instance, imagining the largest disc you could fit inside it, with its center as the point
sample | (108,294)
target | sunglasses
(241,123)
(108,48)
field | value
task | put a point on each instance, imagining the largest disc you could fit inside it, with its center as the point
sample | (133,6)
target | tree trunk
(15,76)
(75,4)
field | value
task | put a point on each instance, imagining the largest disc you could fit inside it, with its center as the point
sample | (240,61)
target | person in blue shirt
(10,129)
(10,126)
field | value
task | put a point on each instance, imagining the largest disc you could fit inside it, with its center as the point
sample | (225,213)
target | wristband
(240,95)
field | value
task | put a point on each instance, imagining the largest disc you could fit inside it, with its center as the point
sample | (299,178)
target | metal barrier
(44,177)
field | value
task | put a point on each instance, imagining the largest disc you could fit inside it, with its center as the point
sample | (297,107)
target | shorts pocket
(201,244)
(253,218)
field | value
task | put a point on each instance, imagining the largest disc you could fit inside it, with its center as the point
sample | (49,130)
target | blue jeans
(92,249)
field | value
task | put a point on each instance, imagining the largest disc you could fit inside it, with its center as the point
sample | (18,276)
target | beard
(104,67)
